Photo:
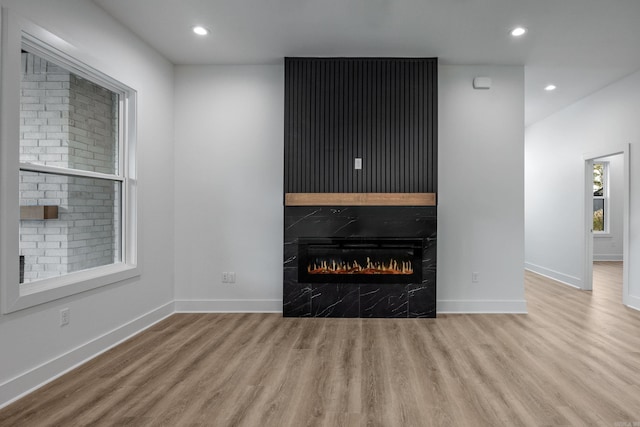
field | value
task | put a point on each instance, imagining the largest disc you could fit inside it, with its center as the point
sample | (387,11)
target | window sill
(43,291)
(601,234)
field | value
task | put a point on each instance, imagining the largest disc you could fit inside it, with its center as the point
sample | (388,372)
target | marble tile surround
(352,299)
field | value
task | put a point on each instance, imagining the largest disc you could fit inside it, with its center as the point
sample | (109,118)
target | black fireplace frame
(388,300)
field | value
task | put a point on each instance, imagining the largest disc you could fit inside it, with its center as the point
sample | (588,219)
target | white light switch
(358,163)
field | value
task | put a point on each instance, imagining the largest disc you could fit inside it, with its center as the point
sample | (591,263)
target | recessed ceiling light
(518,31)
(549,88)
(201,31)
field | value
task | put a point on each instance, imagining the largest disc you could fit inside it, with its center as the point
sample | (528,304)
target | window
(600,197)
(68,158)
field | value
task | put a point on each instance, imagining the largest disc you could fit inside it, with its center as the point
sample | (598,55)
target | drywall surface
(229,200)
(481,190)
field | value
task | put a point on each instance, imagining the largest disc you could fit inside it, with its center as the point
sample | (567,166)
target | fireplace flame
(342,267)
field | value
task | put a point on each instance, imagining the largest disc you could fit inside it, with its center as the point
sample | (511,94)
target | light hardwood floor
(573,360)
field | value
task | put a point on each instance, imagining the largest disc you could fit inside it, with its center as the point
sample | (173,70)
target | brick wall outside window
(70,122)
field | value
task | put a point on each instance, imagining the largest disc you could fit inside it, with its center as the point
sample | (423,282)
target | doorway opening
(603,220)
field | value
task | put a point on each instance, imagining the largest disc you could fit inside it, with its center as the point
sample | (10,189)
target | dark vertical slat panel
(418,142)
(362,114)
(325,127)
(398,128)
(382,110)
(370,148)
(386,169)
(425,133)
(315,125)
(419,131)
(356,117)
(343,156)
(429,159)
(308,128)
(419,165)
(365,140)
(434,127)
(337,156)
(294,129)
(335,161)
(402,175)
(287,135)
(410,179)
(405,170)
(393,140)
(325,124)
(366,143)
(292,167)
(360,142)
(352,178)
(302,111)
(296,106)
(373,145)
(376,182)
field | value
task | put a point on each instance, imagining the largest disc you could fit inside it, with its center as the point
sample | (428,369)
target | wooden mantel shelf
(360,199)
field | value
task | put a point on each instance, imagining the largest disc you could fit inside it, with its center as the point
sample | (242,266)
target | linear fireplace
(359,260)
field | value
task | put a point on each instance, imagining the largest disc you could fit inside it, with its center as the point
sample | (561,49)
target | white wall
(609,247)
(33,347)
(229,172)
(481,190)
(229,180)
(554,179)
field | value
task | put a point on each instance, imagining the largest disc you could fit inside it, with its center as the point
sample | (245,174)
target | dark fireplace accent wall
(382,110)
(397,300)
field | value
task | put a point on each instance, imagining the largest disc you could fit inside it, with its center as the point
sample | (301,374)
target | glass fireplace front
(359,260)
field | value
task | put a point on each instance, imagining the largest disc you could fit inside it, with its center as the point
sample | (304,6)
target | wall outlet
(65,316)
(228,277)
(475,277)
(357,164)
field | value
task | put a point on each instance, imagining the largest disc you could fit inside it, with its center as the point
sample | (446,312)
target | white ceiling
(579,45)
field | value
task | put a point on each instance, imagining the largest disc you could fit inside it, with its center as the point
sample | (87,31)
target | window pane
(66,120)
(85,234)
(598,214)
(598,179)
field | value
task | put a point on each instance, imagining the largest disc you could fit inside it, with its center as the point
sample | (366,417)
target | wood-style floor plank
(574,360)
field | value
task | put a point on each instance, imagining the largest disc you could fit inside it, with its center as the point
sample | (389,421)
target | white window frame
(16,33)
(605,196)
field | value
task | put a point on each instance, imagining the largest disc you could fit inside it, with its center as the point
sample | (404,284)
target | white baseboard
(632,301)
(555,275)
(229,306)
(35,378)
(607,257)
(481,306)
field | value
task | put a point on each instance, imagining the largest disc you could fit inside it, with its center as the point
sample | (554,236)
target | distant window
(601,197)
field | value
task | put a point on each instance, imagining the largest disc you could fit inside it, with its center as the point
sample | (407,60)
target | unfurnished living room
(319,212)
